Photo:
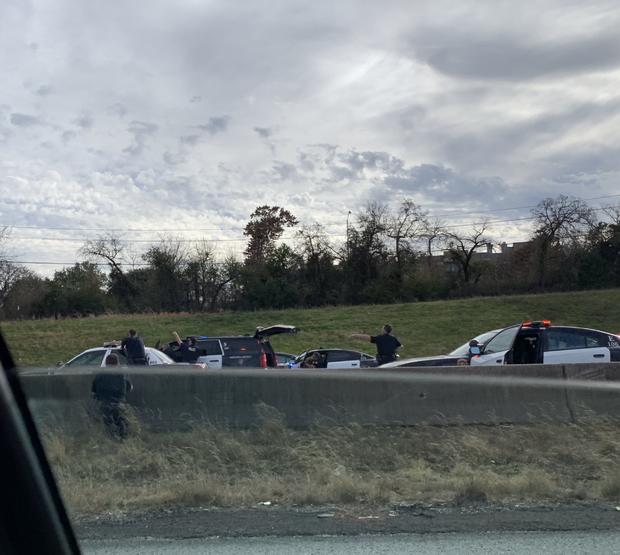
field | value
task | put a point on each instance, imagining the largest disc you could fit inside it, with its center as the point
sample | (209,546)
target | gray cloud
(68,136)
(190,139)
(25,120)
(43,90)
(263,132)
(480,55)
(85,121)
(424,99)
(174,158)
(500,142)
(441,183)
(285,171)
(217,124)
(141,131)
(117,109)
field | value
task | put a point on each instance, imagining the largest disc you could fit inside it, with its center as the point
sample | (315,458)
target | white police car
(335,358)
(96,356)
(542,343)
(528,343)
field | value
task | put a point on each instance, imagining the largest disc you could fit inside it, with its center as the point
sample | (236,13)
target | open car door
(498,350)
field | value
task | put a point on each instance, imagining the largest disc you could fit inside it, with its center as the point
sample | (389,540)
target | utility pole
(348,253)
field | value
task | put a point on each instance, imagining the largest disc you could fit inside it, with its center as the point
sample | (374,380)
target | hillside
(424,328)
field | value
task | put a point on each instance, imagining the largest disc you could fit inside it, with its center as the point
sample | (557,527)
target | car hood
(404,362)
(274,330)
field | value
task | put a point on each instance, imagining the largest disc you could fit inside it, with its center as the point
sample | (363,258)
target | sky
(149,119)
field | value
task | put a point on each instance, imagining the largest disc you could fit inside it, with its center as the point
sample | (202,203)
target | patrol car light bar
(536,324)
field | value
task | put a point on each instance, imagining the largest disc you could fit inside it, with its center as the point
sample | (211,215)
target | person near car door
(386,344)
(311,361)
(133,347)
(187,349)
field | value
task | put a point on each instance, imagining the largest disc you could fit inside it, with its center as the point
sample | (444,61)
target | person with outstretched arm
(386,344)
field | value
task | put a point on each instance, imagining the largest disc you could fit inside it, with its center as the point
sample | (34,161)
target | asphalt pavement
(446,543)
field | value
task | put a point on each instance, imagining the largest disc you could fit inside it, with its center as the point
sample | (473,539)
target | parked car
(97,356)
(529,343)
(254,351)
(337,358)
(285,359)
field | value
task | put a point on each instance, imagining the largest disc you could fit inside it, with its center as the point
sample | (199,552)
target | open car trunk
(274,330)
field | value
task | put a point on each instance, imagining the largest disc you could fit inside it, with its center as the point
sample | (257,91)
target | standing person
(133,347)
(110,391)
(187,349)
(386,344)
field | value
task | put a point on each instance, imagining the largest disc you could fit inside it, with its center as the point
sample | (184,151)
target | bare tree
(461,249)
(208,277)
(562,219)
(107,247)
(318,256)
(407,225)
(435,230)
(559,220)
(10,272)
(168,264)
(111,250)
(613,213)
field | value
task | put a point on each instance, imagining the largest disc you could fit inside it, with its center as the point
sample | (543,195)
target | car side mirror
(59,363)
(474,349)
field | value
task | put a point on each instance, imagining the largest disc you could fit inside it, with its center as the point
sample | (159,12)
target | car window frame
(516,329)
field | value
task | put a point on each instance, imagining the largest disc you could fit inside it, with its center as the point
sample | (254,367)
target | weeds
(335,465)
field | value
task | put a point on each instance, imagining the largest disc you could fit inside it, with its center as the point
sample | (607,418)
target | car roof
(261,332)
(118,347)
(331,349)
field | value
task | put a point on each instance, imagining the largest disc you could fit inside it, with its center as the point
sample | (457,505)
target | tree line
(388,255)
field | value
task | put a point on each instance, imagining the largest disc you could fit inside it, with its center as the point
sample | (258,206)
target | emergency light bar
(537,324)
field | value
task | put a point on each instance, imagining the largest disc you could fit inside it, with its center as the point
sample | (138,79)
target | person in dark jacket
(133,347)
(110,391)
(187,349)
(386,344)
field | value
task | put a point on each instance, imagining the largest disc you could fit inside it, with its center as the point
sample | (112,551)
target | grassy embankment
(423,328)
(345,466)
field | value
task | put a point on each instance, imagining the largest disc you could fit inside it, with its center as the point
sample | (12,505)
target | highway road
(575,542)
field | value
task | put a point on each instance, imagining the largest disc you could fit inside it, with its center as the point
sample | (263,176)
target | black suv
(252,351)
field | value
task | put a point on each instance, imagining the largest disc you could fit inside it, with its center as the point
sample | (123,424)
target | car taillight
(263,360)
(275,360)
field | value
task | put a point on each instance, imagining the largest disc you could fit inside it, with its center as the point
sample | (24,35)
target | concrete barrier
(173,398)
(601,400)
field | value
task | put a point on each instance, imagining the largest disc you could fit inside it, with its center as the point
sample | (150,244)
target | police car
(251,351)
(336,358)
(96,356)
(530,342)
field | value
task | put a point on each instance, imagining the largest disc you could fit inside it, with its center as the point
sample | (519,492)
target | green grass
(426,328)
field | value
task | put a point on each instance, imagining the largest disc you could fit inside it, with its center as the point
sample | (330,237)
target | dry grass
(343,465)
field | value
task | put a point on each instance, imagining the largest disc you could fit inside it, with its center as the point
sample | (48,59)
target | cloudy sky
(181,117)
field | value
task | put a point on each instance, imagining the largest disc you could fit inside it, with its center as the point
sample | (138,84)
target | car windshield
(228,180)
(162,358)
(482,339)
